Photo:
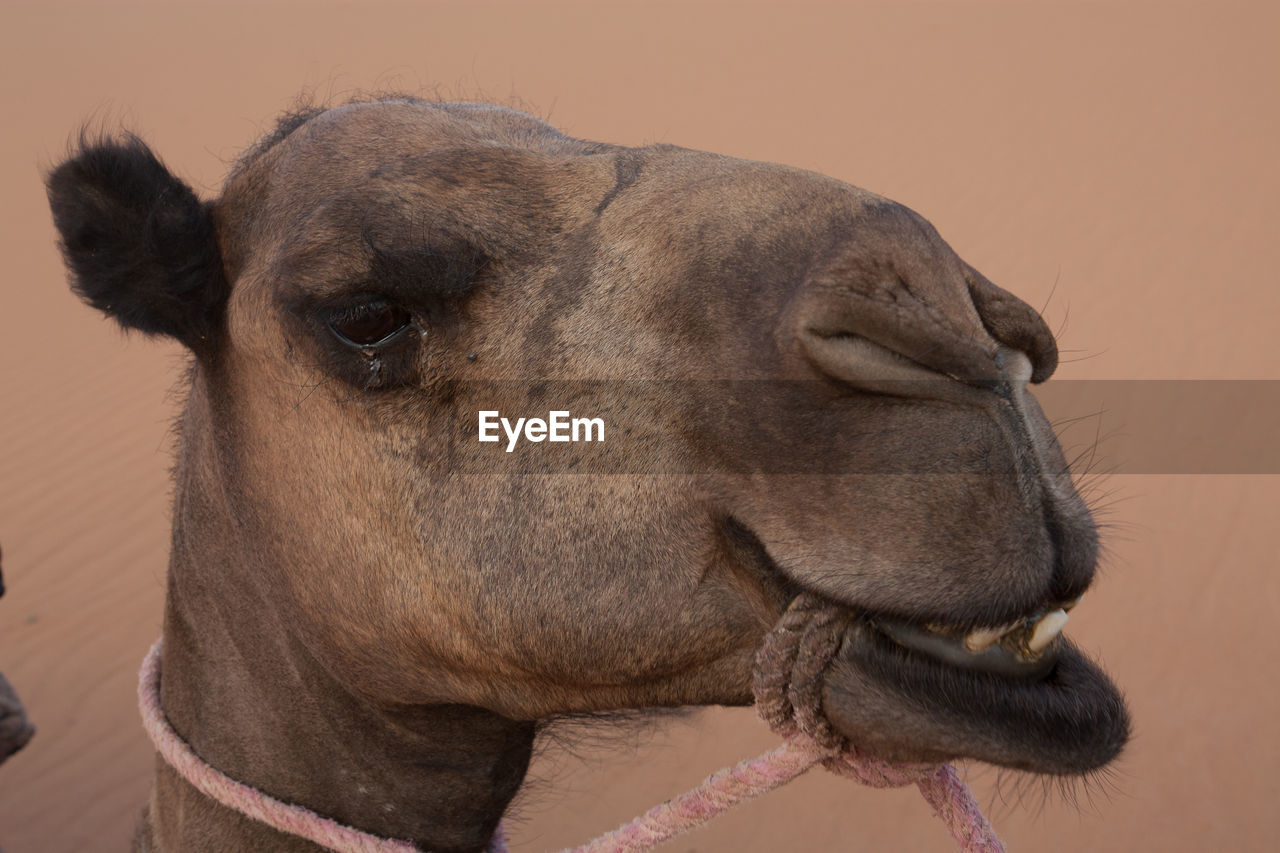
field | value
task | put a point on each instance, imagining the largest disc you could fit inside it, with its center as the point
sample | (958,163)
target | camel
(803,389)
(16,730)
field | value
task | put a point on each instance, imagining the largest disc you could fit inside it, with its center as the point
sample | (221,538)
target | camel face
(800,385)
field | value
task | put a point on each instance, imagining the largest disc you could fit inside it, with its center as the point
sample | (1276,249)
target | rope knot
(788,679)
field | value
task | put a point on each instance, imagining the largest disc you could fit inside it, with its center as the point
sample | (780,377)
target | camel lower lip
(903,704)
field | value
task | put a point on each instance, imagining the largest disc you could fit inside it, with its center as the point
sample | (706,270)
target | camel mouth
(1023,648)
(1010,690)
(1020,696)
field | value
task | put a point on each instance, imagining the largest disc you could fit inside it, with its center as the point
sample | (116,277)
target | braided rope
(287,818)
(720,792)
(788,689)
(803,643)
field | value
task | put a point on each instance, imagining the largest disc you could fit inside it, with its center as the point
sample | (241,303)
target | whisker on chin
(1086,794)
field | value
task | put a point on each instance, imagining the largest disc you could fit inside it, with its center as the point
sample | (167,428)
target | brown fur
(368,611)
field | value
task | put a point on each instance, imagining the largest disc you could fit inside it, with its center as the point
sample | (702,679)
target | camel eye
(369,324)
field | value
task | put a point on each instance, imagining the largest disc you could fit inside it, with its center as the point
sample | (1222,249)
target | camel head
(800,387)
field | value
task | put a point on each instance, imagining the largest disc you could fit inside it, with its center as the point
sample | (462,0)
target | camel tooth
(984,638)
(1046,629)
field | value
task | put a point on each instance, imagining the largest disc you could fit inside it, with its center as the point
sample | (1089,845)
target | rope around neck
(789,670)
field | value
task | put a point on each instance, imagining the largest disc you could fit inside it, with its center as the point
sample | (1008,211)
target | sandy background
(1127,153)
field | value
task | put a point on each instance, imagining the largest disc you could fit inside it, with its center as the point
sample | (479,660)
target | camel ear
(139,244)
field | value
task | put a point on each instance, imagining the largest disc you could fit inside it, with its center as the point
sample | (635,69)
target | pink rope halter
(788,676)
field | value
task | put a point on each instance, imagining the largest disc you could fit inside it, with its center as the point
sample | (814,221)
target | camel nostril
(868,365)
(1014,365)
(855,359)
(1014,323)
(1015,371)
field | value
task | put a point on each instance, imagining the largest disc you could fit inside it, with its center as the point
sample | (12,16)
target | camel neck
(252,702)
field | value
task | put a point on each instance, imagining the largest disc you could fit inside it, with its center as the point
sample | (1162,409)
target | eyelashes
(367,340)
(371,324)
